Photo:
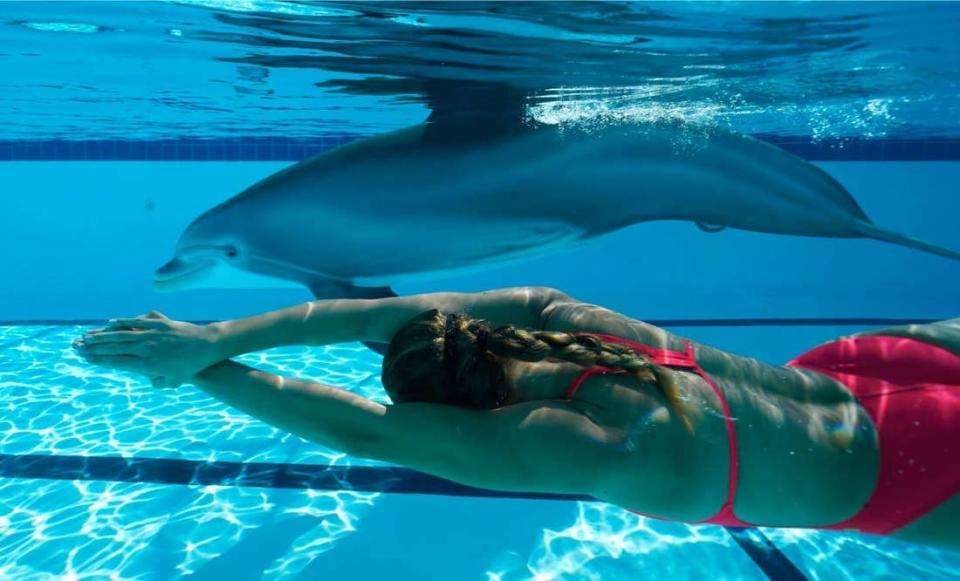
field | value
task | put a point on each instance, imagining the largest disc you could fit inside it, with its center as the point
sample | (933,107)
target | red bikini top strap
(666,357)
(584,375)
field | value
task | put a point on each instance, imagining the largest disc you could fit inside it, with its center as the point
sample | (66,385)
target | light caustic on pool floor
(55,404)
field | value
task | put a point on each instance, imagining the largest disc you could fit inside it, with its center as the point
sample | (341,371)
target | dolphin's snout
(177,272)
(170,269)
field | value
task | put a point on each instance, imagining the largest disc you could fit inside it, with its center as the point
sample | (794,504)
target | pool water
(102,524)
(121,122)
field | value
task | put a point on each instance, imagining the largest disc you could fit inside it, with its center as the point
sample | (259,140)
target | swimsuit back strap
(681,360)
(725,515)
(583,376)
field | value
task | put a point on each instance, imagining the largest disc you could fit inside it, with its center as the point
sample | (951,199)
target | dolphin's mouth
(179,273)
(191,272)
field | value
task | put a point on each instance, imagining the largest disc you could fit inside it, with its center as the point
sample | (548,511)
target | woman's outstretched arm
(327,415)
(375,320)
(524,447)
(196,347)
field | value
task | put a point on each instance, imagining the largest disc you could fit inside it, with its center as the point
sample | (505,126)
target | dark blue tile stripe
(183,149)
(862,149)
(760,322)
(766,555)
(253,474)
(297,148)
(316,477)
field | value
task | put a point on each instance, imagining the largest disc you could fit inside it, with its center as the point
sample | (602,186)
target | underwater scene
(479,290)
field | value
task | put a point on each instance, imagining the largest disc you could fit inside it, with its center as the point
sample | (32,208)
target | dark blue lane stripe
(276,148)
(253,474)
(766,555)
(316,477)
(755,322)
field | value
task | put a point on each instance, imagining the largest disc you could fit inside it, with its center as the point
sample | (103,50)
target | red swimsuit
(911,390)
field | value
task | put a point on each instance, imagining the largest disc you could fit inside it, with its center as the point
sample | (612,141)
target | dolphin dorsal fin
(467,112)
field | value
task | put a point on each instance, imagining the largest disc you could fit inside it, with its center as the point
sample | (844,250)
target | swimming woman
(528,389)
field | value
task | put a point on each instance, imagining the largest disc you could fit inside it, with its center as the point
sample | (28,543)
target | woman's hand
(168,352)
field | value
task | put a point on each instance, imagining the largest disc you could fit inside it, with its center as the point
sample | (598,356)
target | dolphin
(460,191)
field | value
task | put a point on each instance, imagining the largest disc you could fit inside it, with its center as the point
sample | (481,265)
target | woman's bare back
(796,430)
(789,446)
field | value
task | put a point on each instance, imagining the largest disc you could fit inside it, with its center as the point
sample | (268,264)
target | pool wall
(83,239)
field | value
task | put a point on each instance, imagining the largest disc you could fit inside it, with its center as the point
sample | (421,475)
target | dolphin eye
(231,251)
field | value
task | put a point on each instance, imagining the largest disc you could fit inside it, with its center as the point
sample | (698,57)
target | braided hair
(457,360)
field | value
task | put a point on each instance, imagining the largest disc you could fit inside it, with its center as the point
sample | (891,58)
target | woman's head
(441,358)
(456,360)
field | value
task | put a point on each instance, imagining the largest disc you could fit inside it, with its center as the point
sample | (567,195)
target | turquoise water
(145,70)
(55,405)
(105,477)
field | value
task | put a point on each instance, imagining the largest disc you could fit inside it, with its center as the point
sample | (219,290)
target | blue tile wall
(247,148)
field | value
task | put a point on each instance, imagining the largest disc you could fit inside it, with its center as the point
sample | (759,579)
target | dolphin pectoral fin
(327,288)
(869,230)
(708,227)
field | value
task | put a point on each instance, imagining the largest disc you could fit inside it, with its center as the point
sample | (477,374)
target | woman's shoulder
(740,377)
(574,315)
(565,313)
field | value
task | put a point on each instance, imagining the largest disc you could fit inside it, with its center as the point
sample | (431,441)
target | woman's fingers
(98,337)
(121,348)
(138,323)
(125,362)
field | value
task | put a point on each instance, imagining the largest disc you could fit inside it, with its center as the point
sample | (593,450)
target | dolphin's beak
(178,273)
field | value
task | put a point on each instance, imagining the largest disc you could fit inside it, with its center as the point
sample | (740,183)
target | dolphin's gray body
(430,198)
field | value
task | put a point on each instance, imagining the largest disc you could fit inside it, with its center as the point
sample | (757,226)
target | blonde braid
(584,350)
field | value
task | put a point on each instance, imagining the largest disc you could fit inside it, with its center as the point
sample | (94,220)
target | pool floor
(117,521)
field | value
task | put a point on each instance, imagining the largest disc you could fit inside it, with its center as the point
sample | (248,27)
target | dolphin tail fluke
(869,230)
